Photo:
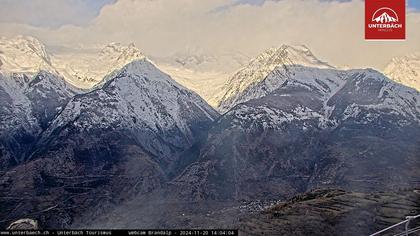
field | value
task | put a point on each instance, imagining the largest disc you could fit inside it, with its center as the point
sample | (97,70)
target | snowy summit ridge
(86,70)
(283,57)
(142,99)
(27,55)
(24,54)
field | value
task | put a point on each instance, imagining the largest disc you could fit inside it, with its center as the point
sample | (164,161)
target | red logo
(384,19)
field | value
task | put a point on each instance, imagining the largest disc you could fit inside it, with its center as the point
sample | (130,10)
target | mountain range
(61,146)
(114,142)
(304,128)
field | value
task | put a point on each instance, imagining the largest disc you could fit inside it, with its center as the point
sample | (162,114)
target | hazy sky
(332,29)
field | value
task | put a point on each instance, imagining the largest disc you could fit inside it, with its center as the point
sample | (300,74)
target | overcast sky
(332,29)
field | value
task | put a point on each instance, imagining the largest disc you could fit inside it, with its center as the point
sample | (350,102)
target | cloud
(332,29)
(50,13)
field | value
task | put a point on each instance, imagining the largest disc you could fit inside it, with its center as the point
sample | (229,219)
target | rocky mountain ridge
(24,54)
(240,87)
(123,137)
(317,128)
(140,142)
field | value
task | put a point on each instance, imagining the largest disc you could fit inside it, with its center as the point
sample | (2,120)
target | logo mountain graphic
(385,18)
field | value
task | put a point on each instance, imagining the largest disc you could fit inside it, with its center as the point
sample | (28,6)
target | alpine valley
(108,140)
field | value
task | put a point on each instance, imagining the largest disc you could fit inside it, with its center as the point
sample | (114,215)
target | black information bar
(134,232)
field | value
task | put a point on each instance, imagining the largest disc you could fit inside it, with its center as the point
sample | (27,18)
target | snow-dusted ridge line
(273,77)
(27,55)
(138,101)
(24,54)
(259,68)
(87,70)
(125,59)
(134,97)
(128,78)
(262,75)
(276,67)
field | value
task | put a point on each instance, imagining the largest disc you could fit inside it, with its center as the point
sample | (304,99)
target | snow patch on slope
(272,118)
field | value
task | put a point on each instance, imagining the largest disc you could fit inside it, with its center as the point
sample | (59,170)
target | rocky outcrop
(335,212)
(24,224)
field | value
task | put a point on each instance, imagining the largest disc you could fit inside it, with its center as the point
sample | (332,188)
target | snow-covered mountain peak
(137,70)
(24,54)
(289,55)
(119,52)
(277,68)
(87,70)
(282,59)
(27,44)
(141,98)
(142,67)
(405,70)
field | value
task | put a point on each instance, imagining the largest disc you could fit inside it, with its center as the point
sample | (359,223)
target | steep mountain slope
(335,212)
(32,94)
(48,94)
(357,130)
(405,70)
(84,70)
(292,123)
(252,81)
(142,98)
(28,105)
(122,138)
(17,124)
